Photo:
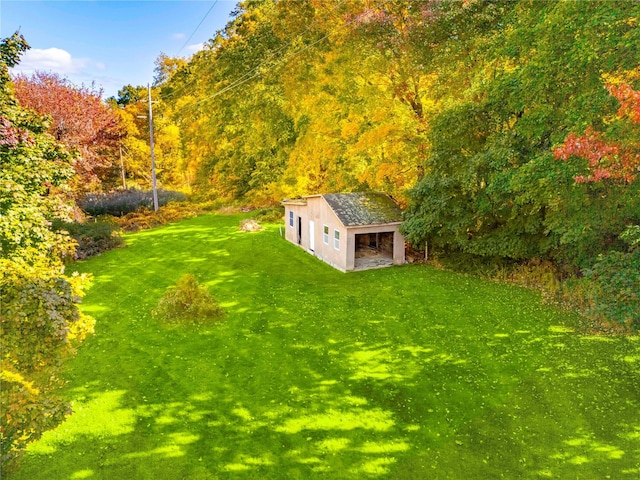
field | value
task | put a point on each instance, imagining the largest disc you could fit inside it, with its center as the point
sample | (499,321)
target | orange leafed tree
(80,120)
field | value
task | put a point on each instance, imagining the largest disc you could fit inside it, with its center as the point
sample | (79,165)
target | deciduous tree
(81,120)
(512,86)
(39,319)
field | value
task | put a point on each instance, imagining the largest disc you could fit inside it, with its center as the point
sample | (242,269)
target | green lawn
(405,373)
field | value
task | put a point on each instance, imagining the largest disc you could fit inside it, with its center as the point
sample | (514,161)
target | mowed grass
(405,373)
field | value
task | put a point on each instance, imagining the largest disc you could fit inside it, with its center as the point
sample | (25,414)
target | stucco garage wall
(318,211)
(322,215)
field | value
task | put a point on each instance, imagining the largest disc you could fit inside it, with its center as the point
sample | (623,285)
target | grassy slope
(404,373)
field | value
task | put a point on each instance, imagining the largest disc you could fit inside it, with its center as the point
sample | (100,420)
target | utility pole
(153,158)
(122,172)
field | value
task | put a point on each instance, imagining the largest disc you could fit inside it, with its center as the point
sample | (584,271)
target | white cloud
(195,48)
(80,71)
(50,59)
(178,36)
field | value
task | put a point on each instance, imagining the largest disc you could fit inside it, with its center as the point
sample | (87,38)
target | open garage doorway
(373,250)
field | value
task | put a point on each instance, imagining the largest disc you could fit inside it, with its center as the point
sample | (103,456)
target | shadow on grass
(350,410)
(304,435)
(396,373)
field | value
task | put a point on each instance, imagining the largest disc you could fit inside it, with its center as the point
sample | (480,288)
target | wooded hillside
(454,107)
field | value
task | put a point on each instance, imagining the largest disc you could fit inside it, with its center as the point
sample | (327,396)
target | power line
(196,29)
(242,80)
(185,44)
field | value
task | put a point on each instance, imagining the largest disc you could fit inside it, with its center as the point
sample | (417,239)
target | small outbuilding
(349,231)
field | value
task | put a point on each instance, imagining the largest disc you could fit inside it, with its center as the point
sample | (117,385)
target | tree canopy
(80,119)
(476,115)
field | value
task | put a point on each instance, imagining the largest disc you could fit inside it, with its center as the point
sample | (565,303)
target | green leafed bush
(616,293)
(610,289)
(187,303)
(40,325)
(41,321)
(27,411)
(270,215)
(93,238)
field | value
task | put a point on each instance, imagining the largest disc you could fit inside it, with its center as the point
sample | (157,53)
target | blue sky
(112,43)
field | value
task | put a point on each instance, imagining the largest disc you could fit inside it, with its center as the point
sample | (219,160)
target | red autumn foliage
(607,159)
(10,135)
(80,120)
(629,100)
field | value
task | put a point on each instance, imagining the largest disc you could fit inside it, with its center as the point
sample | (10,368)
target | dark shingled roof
(361,208)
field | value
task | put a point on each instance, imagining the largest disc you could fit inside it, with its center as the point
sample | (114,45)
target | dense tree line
(454,107)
